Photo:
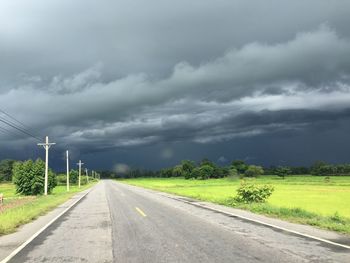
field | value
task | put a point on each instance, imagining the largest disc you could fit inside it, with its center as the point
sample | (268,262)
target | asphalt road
(120,223)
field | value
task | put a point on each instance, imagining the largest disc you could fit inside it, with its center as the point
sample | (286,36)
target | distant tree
(232,172)
(299,170)
(283,171)
(166,172)
(6,170)
(220,172)
(206,161)
(73,176)
(240,166)
(254,171)
(177,171)
(187,167)
(203,172)
(317,167)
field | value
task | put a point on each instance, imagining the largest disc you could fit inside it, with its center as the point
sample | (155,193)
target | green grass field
(19,210)
(303,199)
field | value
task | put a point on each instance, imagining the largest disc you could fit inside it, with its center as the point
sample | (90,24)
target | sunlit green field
(18,210)
(294,196)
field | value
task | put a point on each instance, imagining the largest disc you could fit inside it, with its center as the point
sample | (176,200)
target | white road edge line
(243,217)
(17,250)
(263,223)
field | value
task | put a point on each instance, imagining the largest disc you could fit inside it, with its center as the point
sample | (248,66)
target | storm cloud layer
(117,78)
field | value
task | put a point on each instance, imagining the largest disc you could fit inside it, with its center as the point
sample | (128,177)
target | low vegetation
(248,193)
(315,200)
(24,200)
(207,169)
(18,210)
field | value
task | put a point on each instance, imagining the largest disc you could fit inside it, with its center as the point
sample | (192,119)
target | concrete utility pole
(80,164)
(92,174)
(67,155)
(87,175)
(46,146)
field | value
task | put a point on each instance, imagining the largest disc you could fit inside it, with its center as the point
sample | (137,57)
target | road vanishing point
(116,222)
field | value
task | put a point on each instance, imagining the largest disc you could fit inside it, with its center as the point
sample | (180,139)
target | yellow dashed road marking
(140,211)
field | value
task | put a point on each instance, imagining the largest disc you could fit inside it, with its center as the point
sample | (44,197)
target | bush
(254,171)
(62,179)
(29,177)
(251,193)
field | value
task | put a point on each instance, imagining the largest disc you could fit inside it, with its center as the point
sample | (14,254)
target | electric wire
(19,129)
(24,126)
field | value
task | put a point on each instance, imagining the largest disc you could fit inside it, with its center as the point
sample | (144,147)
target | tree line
(206,169)
(188,169)
(28,176)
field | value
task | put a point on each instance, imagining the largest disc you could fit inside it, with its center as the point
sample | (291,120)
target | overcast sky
(148,83)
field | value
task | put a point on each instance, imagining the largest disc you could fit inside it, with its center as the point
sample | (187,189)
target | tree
(232,172)
(204,172)
(206,161)
(282,171)
(316,167)
(187,166)
(73,176)
(177,171)
(28,177)
(254,171)
(240,165)
(166,172)
(6,170)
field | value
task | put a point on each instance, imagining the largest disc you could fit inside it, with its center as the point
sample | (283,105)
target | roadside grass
(16,215)
(311,200)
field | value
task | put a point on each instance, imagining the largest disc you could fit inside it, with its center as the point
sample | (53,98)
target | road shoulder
(10,242)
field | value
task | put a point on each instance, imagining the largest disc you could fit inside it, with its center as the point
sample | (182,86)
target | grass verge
(16,215)
(307,200)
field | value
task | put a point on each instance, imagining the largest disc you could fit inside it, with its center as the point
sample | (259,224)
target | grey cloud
(165,72)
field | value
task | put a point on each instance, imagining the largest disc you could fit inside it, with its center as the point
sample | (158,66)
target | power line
(19,129)
(25,127)
(8,132)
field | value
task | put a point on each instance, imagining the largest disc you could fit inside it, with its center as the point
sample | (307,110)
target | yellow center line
(140,211)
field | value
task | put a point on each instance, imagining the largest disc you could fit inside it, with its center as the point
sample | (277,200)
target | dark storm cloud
(97,75)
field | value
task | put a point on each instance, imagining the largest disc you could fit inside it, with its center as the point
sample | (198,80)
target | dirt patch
(15,202)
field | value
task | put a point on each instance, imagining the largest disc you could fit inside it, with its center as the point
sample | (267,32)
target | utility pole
(80,164)
(67,155)
(46,146)
(92,174)
(87,175)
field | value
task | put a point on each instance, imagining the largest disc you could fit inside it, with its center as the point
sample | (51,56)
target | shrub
(61,179)
(251,193)
(29,177)
(254,171)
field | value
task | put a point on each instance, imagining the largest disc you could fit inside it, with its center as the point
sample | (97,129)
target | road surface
(120,223)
